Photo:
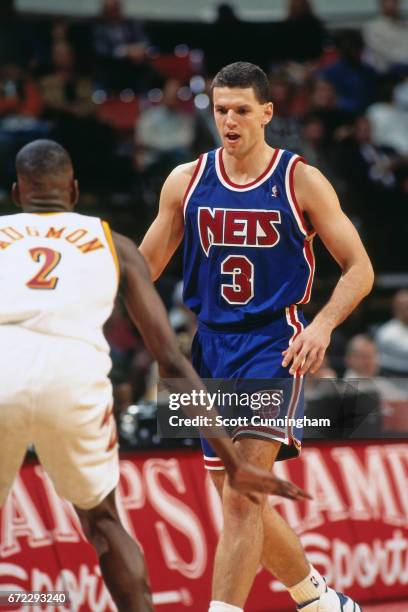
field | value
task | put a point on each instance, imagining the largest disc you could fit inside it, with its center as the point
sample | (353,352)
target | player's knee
(239,509)
(100,523)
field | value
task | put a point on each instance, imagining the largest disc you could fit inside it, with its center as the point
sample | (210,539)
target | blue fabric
(252,362)
(217,242)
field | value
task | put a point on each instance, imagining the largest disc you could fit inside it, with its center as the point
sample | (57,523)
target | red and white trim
(226,181)
(310,259)
(213,463)
(195,179)
(291,195)
(297,326)
(301,222)
(293,320)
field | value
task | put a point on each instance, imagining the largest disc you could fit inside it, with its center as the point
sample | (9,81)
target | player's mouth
(232,138)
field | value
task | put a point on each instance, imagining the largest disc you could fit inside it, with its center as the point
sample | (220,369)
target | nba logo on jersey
(275,192)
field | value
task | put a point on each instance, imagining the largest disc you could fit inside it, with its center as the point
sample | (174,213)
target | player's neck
(39,206)
(242,170)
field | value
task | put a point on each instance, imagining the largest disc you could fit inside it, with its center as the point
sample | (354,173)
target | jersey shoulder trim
(266,174)
(195,179)
(291,194)
(108,235)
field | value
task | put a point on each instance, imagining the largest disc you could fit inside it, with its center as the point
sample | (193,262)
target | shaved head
(45,177)
(43,159)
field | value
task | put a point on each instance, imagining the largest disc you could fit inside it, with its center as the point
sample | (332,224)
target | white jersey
(58,274)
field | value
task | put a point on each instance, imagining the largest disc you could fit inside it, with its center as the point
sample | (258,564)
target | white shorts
(55,394)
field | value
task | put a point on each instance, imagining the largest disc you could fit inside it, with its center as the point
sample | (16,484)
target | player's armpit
(166,232)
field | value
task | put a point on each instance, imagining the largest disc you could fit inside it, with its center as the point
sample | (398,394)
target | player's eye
(242,111)
(221,111)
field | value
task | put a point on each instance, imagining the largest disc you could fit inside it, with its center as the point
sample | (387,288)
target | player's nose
(230,118)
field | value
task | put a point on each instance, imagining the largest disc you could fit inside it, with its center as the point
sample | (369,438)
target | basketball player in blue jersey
(248,214)
(58,288)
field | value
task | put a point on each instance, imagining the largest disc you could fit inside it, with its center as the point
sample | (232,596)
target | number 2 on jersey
(50,260)
(241,290)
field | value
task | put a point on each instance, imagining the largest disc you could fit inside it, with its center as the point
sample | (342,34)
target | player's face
(240,118)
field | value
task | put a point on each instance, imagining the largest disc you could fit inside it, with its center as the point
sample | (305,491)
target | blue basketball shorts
(250,363)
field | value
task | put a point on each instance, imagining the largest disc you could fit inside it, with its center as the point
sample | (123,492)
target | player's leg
(282,552)
(75,439)
(16,362)
(242,536)
(120,558)
(283,556)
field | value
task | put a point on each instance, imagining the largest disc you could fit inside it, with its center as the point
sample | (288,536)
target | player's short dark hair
(42,159)
(243,75)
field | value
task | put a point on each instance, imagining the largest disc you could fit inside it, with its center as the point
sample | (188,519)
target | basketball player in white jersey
(59,275)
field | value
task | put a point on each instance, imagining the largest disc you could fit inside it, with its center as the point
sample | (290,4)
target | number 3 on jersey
(50,260)
(241,289)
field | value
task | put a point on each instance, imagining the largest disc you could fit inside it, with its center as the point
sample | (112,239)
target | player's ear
(15,194)
(268,113)
(74,192)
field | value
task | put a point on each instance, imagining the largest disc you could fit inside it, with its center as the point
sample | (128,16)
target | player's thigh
(14,439)
(17,359)
(75,432)
(261,453)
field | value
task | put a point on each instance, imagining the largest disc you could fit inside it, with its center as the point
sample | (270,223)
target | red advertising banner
(355,530)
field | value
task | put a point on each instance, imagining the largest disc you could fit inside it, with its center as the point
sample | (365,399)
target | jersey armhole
(302,222)
(195,179)
(108,235)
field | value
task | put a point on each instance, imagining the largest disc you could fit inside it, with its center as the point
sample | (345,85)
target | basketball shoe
(330,601)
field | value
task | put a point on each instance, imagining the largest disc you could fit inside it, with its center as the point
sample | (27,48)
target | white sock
(220,606)
(309,588)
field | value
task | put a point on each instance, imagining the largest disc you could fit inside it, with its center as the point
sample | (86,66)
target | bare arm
(319,201)
(149,315)
(166,232)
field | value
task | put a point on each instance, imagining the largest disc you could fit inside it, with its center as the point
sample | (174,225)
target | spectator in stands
(68,104)
(363,370)
(314,146)
(64,91)
(164,132)
(389,119)
(119,46)
(386,38)
(19,42)
(324,103)
(227,27)
(284,130)
(354,81)
(392,338)
(304,30)
(20,117)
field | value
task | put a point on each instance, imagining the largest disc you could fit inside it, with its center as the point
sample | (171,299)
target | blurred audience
(392,338)
(389,119)
(164,132)
(120,46)
(67,97)
(386,38)
(21,106)
(354,81)
(304,30)
(284,130)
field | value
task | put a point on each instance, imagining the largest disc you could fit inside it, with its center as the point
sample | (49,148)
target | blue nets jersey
(247,248)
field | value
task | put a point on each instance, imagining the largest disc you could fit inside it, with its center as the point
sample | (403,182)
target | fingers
(304,358)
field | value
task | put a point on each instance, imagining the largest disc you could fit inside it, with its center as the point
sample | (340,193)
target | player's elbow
(367,276)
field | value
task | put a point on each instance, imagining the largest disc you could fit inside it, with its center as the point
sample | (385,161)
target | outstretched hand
(249,480)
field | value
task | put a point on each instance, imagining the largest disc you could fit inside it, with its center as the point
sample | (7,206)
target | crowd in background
(130,100)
